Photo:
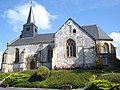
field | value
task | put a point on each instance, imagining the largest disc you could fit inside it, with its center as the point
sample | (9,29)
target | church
(72,46)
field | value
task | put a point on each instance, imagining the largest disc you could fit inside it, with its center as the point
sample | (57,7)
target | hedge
(42,73)
(112,77)
(3,75)
(16,78)
(101,85)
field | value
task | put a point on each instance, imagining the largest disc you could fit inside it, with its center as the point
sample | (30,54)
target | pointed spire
(29,28)
(31,15)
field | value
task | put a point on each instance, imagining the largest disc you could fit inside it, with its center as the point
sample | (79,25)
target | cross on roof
(31,3)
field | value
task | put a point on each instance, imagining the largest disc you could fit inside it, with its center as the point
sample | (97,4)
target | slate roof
(93,30)
(31,16)
(39,38)
(96,32)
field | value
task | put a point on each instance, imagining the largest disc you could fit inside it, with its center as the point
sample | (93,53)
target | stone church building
(72,46)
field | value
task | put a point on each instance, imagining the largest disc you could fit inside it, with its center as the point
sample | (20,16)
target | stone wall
(101,45)
(24,52)
(85,47)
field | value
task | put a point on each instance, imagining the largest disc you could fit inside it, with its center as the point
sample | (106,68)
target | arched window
(74,30)
(112,49)
(98,48)
(16,55)
(49,53)
(106,48)
(71,48)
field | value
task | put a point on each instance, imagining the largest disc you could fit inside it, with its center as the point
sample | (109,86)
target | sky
(50,15)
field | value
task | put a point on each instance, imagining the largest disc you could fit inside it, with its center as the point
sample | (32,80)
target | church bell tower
(29,29)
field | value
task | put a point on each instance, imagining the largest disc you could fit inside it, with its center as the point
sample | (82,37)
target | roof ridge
(101,31)
(89,25)
(97,31)
(13,40)
(45,33)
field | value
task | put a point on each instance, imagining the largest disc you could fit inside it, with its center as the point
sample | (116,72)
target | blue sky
(51,14)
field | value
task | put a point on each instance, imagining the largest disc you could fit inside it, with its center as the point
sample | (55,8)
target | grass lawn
(77,78)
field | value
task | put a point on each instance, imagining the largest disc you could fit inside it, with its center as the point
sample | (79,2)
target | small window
(74,30)
(35,30)
(28,29)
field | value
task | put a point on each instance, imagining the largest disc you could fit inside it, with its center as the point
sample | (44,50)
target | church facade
(72,46)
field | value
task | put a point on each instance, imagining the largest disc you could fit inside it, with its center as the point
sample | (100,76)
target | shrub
(60,78)
(115,87)
(30,72)
(100,85)
(42,73)
(16,78)
(112,77)
(99,64)
(3,75)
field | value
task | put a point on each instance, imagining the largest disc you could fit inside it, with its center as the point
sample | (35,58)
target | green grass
(60,78)
(65,77)
(76,78)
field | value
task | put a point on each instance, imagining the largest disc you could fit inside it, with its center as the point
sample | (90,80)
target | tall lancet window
(71,48)
(49,53)
(16,55)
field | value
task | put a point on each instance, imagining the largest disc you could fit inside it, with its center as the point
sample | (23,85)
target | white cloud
(17,16)
(116,38)
(116,41)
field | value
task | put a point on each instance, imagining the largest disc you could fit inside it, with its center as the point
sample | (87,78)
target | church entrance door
(32,65)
